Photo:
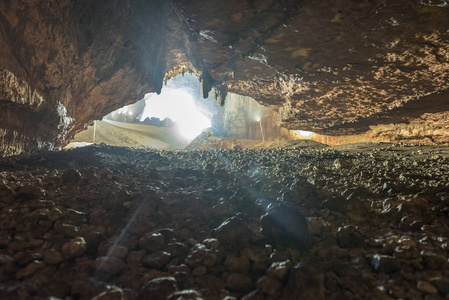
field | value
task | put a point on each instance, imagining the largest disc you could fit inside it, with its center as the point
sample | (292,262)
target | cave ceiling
(333,67)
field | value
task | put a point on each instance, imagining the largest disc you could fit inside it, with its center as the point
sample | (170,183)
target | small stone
(233,233)
(55,214)
(442,284)
(397,291)
(304,276)
(408,208)
(109,265)
(74,248)
(426,287)
(268,249)
(279,255)
(185,280)
(93,241)
(210,282)
(410,223)
(26,257)
(53,257)
(118,251)
(407,241)
(73,216)
(239,282)
(29,269)
(254,295)
(285,226)
(256,254)
(237,263)
(8,265)
(295,255)
(157,259)
(385,263)
(199,255)
(159,288)
(433,260)
(5,239)
(407,272)
(222,209)
(349,237)
(67,229)
(199,271)
(152,242)
(71,176)
(279,270)
(316,225)
(186,295)
(151,274)
(259,268)
(211,243)
(112,293)
(335,203)
(406,252)
(177,249)
(269,285)
(168,233)
(135,256)
(341,163)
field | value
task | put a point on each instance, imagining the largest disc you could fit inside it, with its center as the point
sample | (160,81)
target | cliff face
(334,67)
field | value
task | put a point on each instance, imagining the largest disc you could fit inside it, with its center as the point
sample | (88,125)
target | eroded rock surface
(64,64)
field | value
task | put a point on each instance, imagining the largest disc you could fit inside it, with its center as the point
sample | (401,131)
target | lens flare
(304,134)
(179,106)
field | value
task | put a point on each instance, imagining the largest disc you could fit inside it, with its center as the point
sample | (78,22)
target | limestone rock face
(335,67)
(64,64)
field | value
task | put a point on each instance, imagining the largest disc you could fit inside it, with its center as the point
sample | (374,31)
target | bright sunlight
(179,106)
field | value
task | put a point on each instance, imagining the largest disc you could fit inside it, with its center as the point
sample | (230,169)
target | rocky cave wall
(429,129)
(335,67)
(65,63)
(243,118)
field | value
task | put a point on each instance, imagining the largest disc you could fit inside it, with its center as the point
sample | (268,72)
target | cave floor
(105,222)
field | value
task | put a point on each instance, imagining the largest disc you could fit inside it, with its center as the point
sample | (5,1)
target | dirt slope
(131,135)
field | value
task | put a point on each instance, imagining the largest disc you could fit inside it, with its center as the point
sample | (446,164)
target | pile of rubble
(290,223)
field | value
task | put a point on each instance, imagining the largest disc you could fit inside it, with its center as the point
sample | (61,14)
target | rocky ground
(366,221)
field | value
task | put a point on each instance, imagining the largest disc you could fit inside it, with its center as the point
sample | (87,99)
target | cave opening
(179,116)
(304,134)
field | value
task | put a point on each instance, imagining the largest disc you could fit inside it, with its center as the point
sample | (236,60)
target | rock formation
(334,67)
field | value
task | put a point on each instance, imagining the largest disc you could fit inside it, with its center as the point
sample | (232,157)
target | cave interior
(320,170)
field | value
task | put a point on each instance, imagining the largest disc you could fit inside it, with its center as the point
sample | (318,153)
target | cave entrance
(179,114)
(170,120)
(304,134)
